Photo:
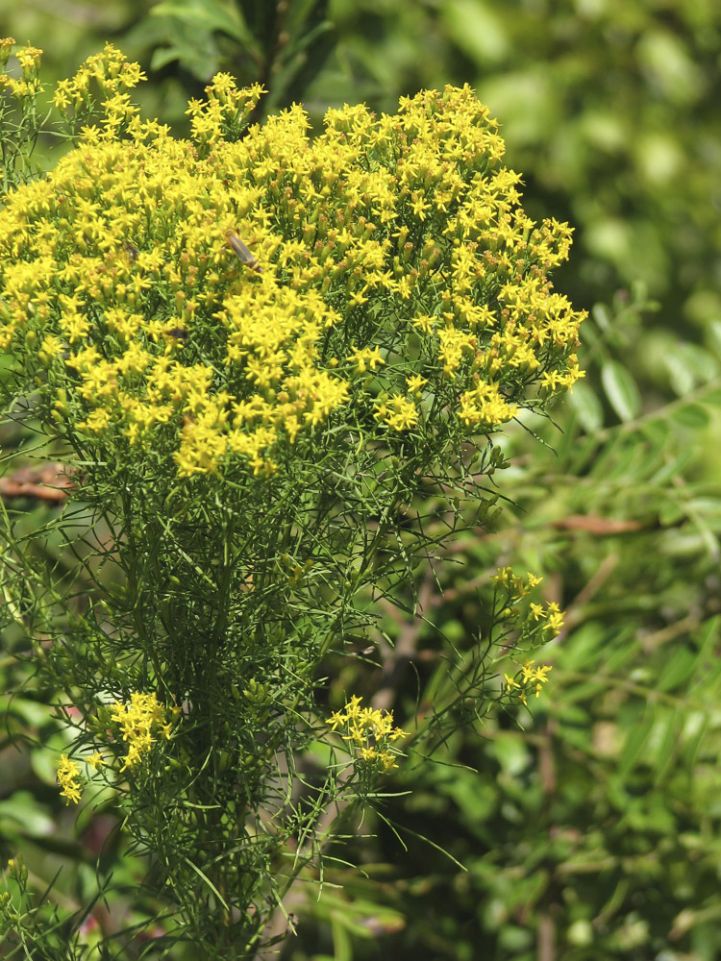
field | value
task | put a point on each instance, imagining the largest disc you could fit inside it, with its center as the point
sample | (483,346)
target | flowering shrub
(121,292)
(252,349)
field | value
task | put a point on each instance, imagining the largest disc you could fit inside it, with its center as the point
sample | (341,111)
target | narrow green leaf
(206,879)
(637,737)
(666,753)
(342,942)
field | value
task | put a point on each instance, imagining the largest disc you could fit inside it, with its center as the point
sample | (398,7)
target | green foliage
(241,431)
(281,45)
(587,830)
(610,107)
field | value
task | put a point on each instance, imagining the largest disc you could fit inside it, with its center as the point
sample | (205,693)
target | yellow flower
(535,676)
(119,287)
(555,617)
(139,720)
(68,774)
(424,323)
(415,383)
(485,405)
(366,358)
(532,680)
(370,732)
(399,413)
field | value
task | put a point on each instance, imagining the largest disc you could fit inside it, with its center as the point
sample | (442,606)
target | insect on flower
(180,333)
(242,252)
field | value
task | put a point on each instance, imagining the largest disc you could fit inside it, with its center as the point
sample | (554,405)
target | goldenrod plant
(250,350)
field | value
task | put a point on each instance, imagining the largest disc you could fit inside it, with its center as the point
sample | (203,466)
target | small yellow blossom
(555,617)
(552,614)
(366,358)
(535,676)
(369,732)
(399,413)
(68,774)
(517,585)
(139,721)
(424,323)
(415,383)
(530,680)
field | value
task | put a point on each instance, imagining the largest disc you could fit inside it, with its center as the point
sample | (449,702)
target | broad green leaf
(621,390)
(32,712)
(692,415)
(677,669)
(688,366)
(44,758)
(476,30)
(602,315)
(587,406)
(511,752)
(208,15)
(713,332)
(28,815)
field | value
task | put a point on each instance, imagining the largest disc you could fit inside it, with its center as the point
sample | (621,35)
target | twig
(48,482)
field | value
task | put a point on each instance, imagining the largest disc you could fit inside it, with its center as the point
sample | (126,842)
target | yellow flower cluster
(28,59)
(68,774)
(515,584)
(382,271)
(369,732)
(140,721)
(110,75)
(224,111)
(398,412)
(551,614)
(530,679)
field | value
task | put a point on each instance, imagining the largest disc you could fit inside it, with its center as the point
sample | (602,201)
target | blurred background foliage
(590,828)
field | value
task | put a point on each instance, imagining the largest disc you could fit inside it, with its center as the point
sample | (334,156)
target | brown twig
(47,482)
(546,938)
(594,524)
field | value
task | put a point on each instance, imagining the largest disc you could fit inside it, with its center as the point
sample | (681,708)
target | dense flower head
(140,720)
(27,83)
(105,76)
(369,732)
(219,297)
(529,680)
(516,585)
(550,614)
(68,774)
